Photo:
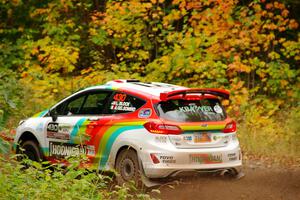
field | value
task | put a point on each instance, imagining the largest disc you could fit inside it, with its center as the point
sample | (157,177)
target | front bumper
(173,161)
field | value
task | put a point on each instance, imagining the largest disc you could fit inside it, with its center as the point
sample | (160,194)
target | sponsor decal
(60,150)
(218,109)
(205,158)
(58,131)
(195,108)
(161,139)
(175,138)
(187,138)
(217,137)
(167,159)
(122,106)
(53,127)
(145,113)
(232,156)
(90,150)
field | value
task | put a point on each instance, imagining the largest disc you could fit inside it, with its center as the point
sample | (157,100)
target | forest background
(50,49)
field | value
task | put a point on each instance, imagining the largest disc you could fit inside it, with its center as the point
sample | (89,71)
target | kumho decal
(205,158)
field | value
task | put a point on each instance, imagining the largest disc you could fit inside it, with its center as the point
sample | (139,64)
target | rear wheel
(31,150)
(127,166)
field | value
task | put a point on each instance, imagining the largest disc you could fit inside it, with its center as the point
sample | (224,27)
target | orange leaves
(293,24)
(239,67)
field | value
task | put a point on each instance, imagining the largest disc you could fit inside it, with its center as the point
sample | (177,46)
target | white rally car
(151,129)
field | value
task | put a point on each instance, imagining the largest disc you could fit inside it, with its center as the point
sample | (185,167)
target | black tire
(127,167)
(31,150)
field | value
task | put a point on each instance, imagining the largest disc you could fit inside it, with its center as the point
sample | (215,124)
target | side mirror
(53,115)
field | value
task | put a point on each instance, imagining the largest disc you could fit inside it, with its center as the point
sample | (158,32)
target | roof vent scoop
(126,81)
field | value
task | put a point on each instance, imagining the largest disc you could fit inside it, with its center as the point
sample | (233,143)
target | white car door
(67,135)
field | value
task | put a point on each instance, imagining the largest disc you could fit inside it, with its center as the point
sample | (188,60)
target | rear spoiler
(216,92)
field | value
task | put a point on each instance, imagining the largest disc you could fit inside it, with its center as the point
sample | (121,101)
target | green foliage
(264,129)
(10,92)
(39,181)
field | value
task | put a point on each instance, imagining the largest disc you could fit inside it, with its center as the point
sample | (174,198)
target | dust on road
(258,183)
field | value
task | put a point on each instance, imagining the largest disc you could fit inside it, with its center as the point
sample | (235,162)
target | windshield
(182,110)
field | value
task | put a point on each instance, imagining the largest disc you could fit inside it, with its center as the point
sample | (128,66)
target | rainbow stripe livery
(157,128)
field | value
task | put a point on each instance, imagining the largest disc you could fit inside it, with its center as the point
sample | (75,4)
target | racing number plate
(202,137)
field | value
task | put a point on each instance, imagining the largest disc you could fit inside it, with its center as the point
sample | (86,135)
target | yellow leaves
(86,71)
(239,67)
(24,74)
(283,83)
(225,102)
(273,55)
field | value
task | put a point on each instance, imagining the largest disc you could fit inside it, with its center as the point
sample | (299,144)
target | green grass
(53,182)
(276,136)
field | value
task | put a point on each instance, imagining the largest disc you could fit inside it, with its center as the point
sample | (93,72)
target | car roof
(149,89)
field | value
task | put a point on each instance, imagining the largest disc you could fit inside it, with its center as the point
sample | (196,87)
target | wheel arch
(120,150)
(27,135)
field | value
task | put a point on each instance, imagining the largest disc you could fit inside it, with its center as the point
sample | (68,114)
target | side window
(124,103)
(73,107)
(70,107)
(95,102)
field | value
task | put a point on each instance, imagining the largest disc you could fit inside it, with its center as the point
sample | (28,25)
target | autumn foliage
(56,47)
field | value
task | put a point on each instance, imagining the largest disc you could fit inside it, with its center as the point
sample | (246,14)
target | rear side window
(95,103)
(182,110)
(124,103)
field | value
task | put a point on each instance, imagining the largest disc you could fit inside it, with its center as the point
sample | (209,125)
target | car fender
(132,138)
(27,127)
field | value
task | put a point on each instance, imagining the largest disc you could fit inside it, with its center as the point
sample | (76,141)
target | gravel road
(258,183)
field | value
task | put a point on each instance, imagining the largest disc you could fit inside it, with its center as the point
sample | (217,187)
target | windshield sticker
(59,150)
(58,131)
(218,109)
(145,113)
(120,97)
(122,106)
(194,108)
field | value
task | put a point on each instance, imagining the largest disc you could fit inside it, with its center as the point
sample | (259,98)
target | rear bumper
(174,161)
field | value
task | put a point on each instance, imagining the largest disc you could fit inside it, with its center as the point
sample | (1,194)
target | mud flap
(147,181)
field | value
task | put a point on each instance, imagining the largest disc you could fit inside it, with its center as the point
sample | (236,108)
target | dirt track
(258,183)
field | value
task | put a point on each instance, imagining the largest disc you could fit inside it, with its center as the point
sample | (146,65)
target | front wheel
(31,150)
(127,166)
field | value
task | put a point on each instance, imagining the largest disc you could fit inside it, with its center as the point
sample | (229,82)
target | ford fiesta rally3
(154,129)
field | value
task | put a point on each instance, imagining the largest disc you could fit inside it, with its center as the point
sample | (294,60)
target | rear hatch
(201,118)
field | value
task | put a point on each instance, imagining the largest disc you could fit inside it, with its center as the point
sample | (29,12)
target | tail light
(160,128)
(230,127)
